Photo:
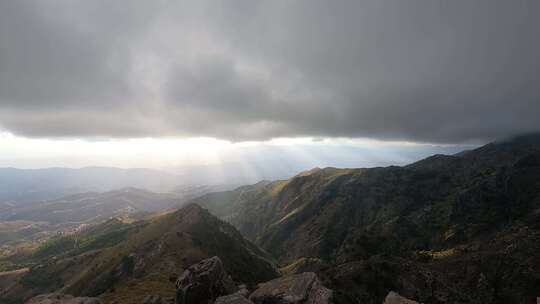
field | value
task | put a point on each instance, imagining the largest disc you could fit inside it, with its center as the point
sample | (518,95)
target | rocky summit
(208,282)
(298,288)
(204,282)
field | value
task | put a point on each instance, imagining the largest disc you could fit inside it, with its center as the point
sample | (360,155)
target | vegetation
(447,229)
(427,222)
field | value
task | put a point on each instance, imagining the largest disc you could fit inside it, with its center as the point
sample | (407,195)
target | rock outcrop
(395,298)
(294,289)
(204,282)
(239,297)
(58,298)
(236,298)
(208,282)
(152,299)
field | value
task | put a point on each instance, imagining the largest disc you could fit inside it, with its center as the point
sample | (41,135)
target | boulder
(243,290)
(58,298)
(204,282)
(395,298)
(299,288)
(237,298)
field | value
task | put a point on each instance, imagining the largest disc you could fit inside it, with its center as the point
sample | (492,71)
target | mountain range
(19,186)
(472,215)
(458,228)
(25,226)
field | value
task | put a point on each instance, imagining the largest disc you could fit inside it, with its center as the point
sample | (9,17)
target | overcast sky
(416,71)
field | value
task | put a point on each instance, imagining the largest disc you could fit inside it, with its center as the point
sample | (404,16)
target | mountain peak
(309,172)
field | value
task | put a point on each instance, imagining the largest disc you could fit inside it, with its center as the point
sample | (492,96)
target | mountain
(124,262)
(461,228)
(450,222)
(19,186)
(94,206)
(23,227)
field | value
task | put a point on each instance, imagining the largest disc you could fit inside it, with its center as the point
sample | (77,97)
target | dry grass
(134,291)
(277,187)
(437,255)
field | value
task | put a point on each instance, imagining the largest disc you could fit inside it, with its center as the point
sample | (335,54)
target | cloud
(433,71)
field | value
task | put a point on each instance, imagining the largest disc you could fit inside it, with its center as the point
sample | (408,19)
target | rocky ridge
(145,262)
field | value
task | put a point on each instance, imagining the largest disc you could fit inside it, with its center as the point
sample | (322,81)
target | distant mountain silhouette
(19,186)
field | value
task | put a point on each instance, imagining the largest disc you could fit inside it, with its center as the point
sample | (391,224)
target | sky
(169,84)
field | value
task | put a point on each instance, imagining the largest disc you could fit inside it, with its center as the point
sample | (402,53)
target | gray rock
(58,298)
(237,298)
(204,282)
(299,288)
(395,298)
(243,290)
(138,265)
(152,299)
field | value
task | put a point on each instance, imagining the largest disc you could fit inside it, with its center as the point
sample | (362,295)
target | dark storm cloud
(439,71)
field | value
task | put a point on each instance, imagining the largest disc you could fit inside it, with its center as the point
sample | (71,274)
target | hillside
(23,228)
(467,219)
(448,229)
(124,262)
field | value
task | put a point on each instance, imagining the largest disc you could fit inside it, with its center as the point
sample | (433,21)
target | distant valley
(25,226)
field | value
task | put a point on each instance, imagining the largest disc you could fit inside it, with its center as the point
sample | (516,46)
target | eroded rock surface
(237,298)
(294,289)
(395,298)
(152,299)
(204,282)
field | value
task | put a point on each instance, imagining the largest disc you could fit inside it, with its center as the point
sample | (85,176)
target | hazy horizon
(299,154)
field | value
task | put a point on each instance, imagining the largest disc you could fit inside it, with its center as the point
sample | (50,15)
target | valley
(30,226)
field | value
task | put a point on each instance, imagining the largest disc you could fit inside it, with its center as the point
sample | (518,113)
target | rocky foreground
(207,282)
